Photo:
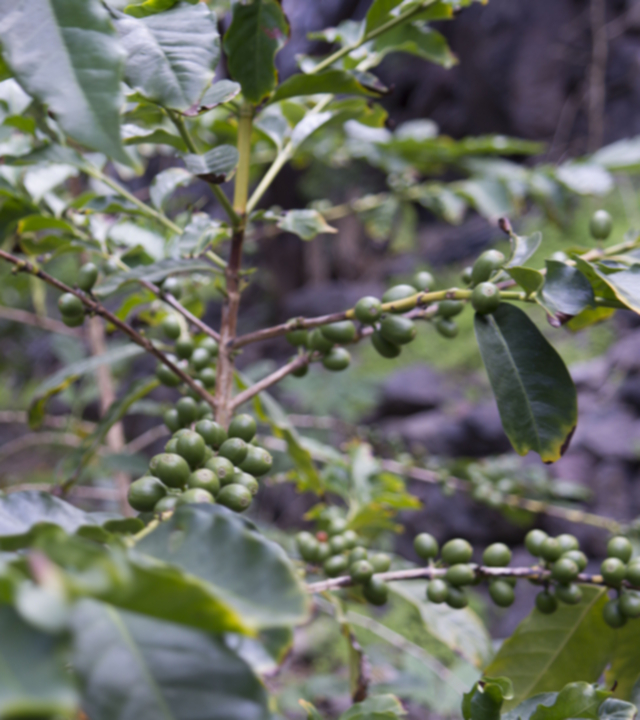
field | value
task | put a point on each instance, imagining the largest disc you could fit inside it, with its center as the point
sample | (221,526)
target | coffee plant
(179,606)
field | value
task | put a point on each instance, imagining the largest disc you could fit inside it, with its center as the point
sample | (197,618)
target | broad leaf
(258,30)
(308,125)
(535,394)
(377,707)
(61,380)
(215,166)
(380,13)
(546,652)
(200,233)
(252,574)
(576,700)
(624,670)
(171,56)
(306,224)
(219,93)
(566,290)
(34,681)
(485,699)
(614,709)
(585,178)
(419,40)
(151,7)
(165,183)
(137,136)
(336,82)
(523,248)
(625,285)
(66,54)
(136,668)
(530,280)
(154,273)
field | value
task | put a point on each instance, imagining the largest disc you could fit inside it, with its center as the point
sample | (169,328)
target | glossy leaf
(253,574)
(61,380)
(200,233)
(379,13)
(590,316)
(535,394)
(523,248)
(614,709)
(566,290)
(624,671)
(34,680)
(530,280)
(219,93)
(171,56)
(575,700)
(306,224)
(135,668)
(625,285)
(546,652)
(138,136)
(336,82)
(165,183)
(485,699)
(66,54)
(150,7)
(214,166)
(153,273)
(419,40)
(377,707)
(258,30)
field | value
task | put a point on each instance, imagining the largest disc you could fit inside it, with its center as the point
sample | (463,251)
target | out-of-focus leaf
(134,667)
(61,380)
(585,178)
(216,166)
(258,30)
(530,280)
(150,7)
(336,82)
(416,39)
(485,699)
(219,93)
(56,50)
(577,699)
(307,126)
(171,56)
(306,224)
(377,707)
(200,233)
(36,223)
(523,248)
(164,184)
(625,285)
(566,290)
(536,396)
(136,136)
(623,155)
(589,316)
(487,195)
(127,234)
(624,670)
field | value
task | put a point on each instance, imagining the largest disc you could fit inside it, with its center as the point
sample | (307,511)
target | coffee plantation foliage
(185,608)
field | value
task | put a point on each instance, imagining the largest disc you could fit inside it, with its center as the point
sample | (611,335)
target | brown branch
(81,491)
(146,439)
(45,323)
(30,440)
(55,421)
(534,573)
(98,309)
(297,362)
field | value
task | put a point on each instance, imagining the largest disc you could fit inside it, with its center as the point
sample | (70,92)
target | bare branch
(147,438)
(28,318)
(298,362)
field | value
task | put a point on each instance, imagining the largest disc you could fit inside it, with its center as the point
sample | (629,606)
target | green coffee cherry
(145,493)
(466,275)
(486,265)
(212,433)
(447,328)
(318,342)
(298,337)
(210,345)
(191,447)
(70,305)
(368,310)
(87,276)
(551,550)
(171,327)
(600,225)
(222,467)
(361,571)
(166,376)
(568,542)
(307,546)
(174,286)
(301,371)
(384,347)
(235,497)
(629,603)
(73,320)
(167,504)
(243,427)
(396,293)
(337,544)
(380,562)
(450,308)
(234,449)
(564,571)
(426,546)
(195,496)
(619,547)
(109,267)
(205,479)
(324,552)
(356,554)
(258,461)
(208,377)
(339,332)
(633,573)
(376,591)
(437,591)
(185,347)
(172,420)
(460,574)
(172,446)
(200,358)
(194,395)
(337,359)
(247,481)
(335,566)
(457,598)
(501,593)
(397,330)
(423,281)
(171,468)
(187,410)
(337,526)
(546,603)
(485,298)
(496,555)
(613,571)
(612,614)
(569,594)
(457,551)
(533,542)
(578,557)
(351,540)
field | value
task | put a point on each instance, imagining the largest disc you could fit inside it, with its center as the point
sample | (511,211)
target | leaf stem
(275,377)
(241,190)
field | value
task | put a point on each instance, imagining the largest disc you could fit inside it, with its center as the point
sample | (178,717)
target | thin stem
(241,190)
(275,377)
(45,323)
(98,309)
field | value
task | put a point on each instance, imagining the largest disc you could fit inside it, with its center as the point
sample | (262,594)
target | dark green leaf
(484,700)
(153,273)
(523,248)
(165,183)
(306,224)
(576,700)
(132,667)
(201,232)
(535,394)
(378,707)
(34,681)
(258,30)
(529,279)
(216,166)
(566,290)
(416,39)
(61,380)
(624,670)
(36,223)
(253,574)
(156,137)
(57,49)
(625,285)
(310,710)
(614,709)
(219,93)
(151,7)
(171,56)
(336,82)
(379,13)
(546,652)
(590,316)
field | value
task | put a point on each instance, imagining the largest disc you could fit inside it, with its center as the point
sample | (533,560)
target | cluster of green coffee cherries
(340,551)
(71,308)
(205,465)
